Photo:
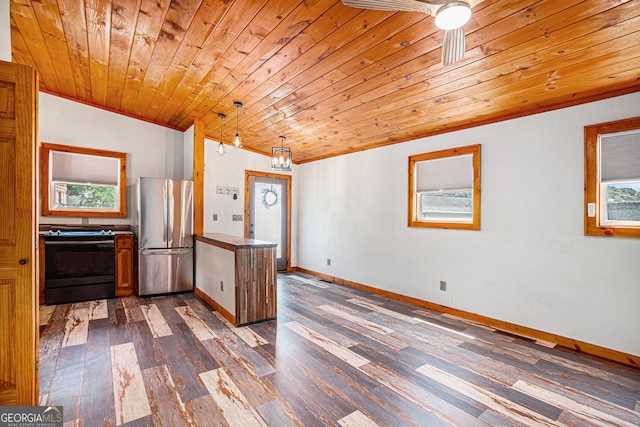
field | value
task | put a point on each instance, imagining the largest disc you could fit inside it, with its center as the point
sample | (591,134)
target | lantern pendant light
(237,142)
(221,149)
(281,157)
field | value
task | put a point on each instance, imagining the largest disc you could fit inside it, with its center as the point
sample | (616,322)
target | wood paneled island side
(237,276)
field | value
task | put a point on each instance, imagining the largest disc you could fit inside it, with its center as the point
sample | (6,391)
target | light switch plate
(225,189)
(591,210)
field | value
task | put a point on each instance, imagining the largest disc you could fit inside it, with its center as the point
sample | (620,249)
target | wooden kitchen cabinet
(124,265)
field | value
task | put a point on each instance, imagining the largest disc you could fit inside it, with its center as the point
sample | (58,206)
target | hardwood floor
(335,356)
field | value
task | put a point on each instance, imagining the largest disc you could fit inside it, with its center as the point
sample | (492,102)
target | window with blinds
(444,189)
(82,182)
(612,179)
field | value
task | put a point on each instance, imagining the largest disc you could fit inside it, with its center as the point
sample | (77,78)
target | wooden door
(18,225)
(268,213)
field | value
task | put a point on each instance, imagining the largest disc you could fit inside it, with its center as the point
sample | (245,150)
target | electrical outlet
(221,286)
(443,285)
(328,261)
(236,217)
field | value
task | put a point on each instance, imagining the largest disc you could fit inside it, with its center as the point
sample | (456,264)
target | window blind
(447,174)
(84,169)
(620,157)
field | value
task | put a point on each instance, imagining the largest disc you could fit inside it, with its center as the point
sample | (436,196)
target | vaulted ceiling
(331,78)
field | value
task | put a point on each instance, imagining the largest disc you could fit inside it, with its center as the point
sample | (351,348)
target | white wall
(229,170)
(153,151)
(5,31)
(530,264)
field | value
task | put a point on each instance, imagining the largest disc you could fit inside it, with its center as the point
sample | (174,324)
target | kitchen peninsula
(237,276)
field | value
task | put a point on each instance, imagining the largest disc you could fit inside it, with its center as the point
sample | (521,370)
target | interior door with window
(18,225)
(267,205)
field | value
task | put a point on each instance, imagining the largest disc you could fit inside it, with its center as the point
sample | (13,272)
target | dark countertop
(233,242)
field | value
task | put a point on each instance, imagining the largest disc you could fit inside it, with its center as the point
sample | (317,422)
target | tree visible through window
(89,196)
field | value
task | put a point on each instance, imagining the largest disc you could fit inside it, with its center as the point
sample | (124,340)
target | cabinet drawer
(124,242)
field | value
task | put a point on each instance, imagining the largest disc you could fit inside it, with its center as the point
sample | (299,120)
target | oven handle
(78,242)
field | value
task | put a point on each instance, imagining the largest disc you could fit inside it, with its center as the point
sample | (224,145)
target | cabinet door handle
(23,261)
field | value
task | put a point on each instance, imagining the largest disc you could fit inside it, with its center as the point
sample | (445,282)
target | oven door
(78,270)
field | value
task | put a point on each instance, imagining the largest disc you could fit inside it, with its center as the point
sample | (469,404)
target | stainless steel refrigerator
(165,236)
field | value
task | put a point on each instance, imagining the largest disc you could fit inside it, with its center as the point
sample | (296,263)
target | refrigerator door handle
(169,213)
(166,236)
(165,251)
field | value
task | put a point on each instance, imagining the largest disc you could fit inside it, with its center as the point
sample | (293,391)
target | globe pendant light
(221,149)
(237,142)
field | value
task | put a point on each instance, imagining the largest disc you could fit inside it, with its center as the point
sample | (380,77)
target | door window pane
(268,215)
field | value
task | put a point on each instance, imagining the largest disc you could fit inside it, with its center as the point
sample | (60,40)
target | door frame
(247,190)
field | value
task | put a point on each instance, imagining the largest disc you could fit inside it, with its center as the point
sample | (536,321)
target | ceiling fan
(450,16)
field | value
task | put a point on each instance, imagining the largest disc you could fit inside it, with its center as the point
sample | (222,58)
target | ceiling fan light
(453,15)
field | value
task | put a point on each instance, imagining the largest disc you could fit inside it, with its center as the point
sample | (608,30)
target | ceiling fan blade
(453,46)
(393,5)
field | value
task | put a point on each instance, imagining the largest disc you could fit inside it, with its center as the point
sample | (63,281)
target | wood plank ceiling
(331,78)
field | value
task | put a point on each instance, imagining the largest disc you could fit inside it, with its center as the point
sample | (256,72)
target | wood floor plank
(360,321)
(356,419)
(146,348)
(204,412)
(98,309)
(66,383)
(332,347)
(46,311)
(178,361)
(97,385)
(316,283)
(76,328)
(158,325)
(235,408)
(200,329)
(229,347)
(131,401)
(167,408)
(132,309)
(245,333)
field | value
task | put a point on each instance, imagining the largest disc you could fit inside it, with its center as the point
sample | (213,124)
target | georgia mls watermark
(31,416)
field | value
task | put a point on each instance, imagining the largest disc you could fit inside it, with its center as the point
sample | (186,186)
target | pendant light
(221,149)
(237,142)
(281,157)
